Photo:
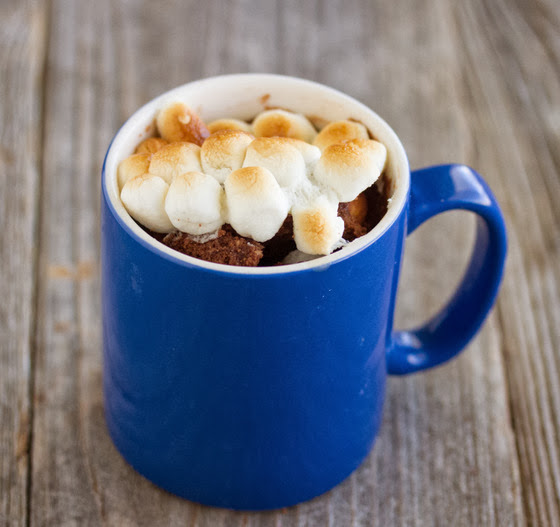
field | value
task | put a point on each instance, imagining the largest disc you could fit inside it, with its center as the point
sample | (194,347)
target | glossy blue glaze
(262,391)
(435,190)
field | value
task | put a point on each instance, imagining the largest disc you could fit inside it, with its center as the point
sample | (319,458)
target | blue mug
(258,388)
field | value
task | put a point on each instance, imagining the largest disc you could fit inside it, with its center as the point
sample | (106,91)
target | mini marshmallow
(177,122)
(229,124)
(144,199)
(134,165)
(349,168)
(223,152)
(151,145)
(175,159)
(271,123)
(193,203)
(317,227)
(310,153)
(377,151)
(279,156)
(256,204)
(339,132)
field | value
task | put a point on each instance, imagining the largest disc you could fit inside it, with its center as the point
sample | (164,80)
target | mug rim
(396,206)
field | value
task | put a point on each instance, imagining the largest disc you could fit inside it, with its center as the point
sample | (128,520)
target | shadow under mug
(258,388)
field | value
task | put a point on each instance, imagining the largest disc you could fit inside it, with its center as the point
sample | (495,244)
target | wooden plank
(61,493)
(514,97)
(21,63)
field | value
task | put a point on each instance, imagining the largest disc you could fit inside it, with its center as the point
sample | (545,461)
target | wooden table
(475,442)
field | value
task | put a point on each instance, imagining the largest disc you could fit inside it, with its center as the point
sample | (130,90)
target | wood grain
(514,100)
(21,64)
(476,442)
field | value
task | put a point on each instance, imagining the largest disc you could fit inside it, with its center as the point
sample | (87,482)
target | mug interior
(243,96)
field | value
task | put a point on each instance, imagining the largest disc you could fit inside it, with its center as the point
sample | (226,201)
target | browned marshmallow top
(196,178)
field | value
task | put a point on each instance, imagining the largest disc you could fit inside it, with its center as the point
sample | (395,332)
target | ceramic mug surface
(258,388)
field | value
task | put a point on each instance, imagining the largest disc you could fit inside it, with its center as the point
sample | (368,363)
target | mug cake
(276,190)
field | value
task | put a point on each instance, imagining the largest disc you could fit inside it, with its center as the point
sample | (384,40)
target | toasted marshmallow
(339,132)
(282,159)
(175,159)
(281,123)
(377,151)
(193,203)
(257,207)
(223,152)
(317,227)
(134,165)
(229,124)
(349,168)
(144,199)
(310,153)
(177,122)
(151,145)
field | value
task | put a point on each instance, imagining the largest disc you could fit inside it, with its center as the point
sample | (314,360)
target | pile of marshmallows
(250,176)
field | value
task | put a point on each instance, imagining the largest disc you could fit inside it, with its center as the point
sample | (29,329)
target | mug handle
(434,190)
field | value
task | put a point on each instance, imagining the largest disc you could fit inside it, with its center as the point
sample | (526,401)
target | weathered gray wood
(515,100)
(473,443)
(21,63)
